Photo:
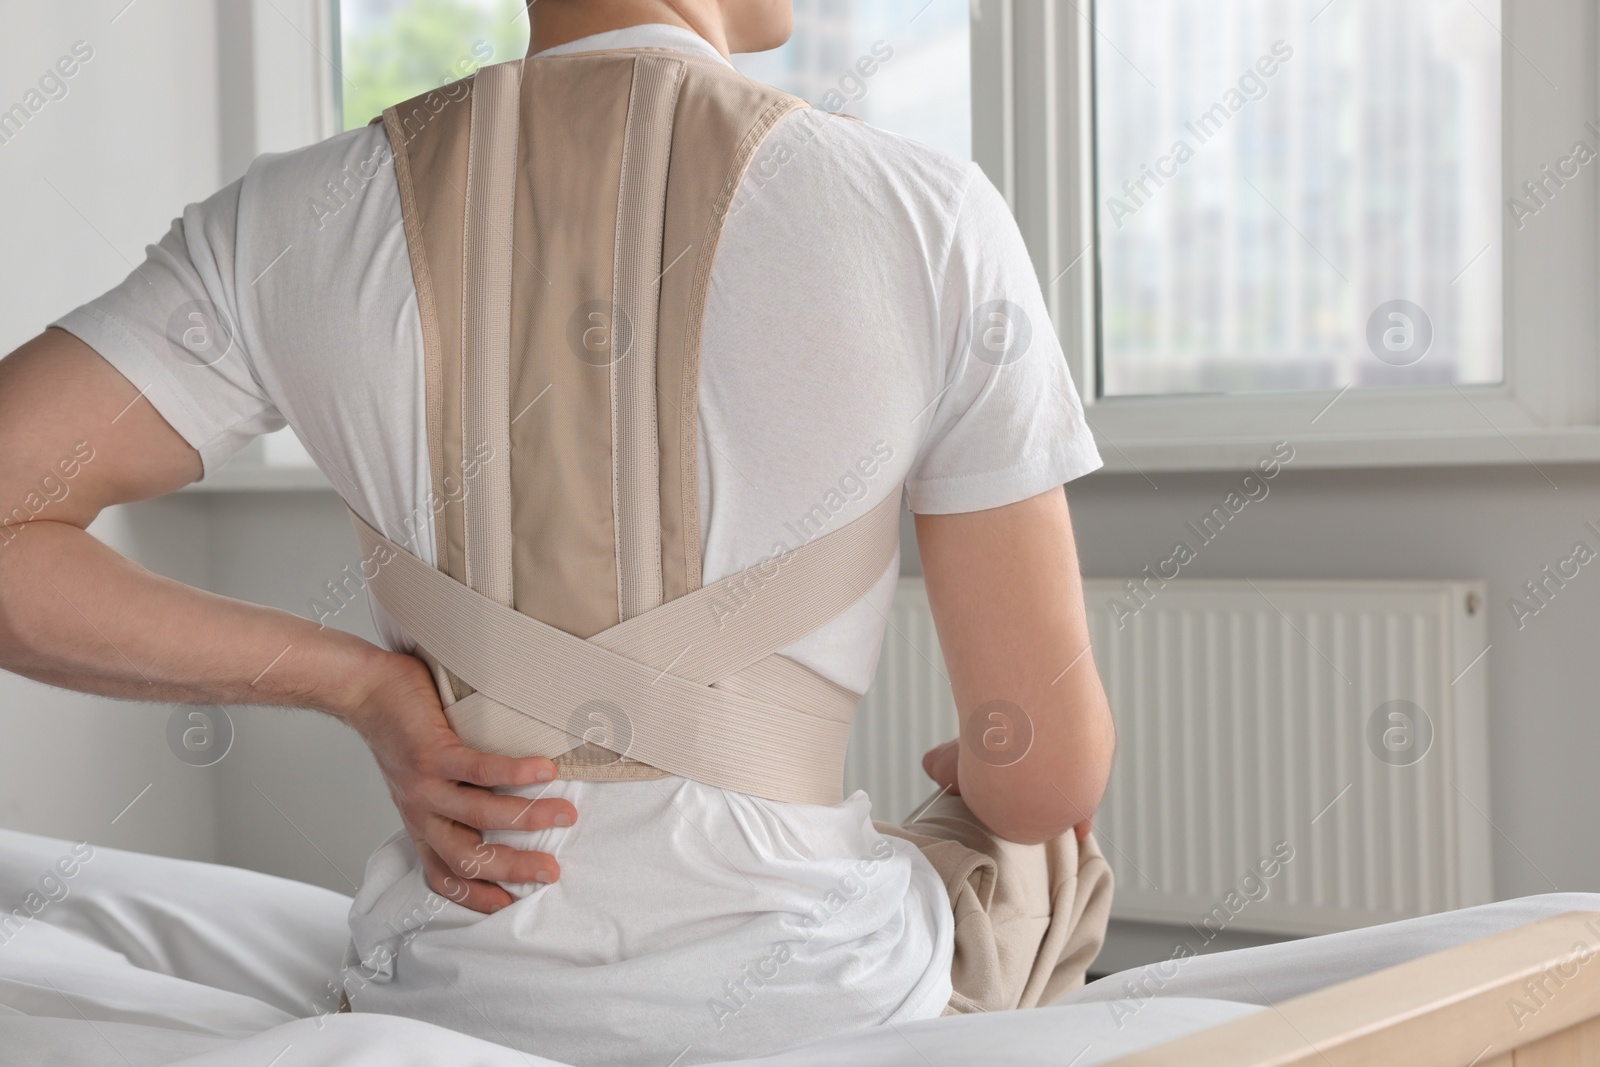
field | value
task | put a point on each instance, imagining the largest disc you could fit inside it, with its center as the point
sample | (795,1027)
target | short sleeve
(1009,424)
(171,329)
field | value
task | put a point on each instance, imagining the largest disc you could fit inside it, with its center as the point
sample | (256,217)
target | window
(1437,152)
(395,49)
(387,51)
(899,64)
(1292,198)
(903,65)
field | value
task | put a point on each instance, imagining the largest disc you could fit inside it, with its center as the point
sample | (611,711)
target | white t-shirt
(871,307)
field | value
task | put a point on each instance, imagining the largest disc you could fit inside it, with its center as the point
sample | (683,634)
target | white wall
(135,138)
(87,182)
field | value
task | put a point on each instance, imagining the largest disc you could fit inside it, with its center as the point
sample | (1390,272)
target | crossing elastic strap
(697,691)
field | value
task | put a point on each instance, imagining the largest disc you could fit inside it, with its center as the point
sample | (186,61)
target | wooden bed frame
(1529,997)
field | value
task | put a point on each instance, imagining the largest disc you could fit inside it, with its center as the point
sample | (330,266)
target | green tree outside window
(396,49)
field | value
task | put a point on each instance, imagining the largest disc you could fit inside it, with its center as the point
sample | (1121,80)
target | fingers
(484,810)
(940,764)
(467,855)
(461,764)
(480,896)
(443,791)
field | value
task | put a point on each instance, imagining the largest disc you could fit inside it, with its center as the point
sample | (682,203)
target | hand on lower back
(443,790)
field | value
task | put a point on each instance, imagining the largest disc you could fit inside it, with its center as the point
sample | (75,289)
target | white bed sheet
(1047,1037)
(153,962)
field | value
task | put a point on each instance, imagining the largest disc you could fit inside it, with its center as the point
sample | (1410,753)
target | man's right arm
(77,437)
(1036,730)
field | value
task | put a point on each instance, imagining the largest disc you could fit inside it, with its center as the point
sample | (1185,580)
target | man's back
(845,351)
(838,355)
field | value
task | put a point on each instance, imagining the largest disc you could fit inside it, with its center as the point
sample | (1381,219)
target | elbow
(11,634)
(1025,829)
(16,638)
(1035,812)
(1039,799)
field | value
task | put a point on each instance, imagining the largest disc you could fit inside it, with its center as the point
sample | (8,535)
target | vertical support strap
(486,326)
(641,211)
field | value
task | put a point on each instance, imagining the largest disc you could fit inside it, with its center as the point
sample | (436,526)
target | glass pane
(1297,195)
(395,49)
(903,65)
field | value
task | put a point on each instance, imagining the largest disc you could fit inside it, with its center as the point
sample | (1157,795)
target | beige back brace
(562,214)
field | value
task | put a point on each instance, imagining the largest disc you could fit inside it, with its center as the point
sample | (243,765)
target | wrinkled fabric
(1029,919)
(726,929)
(154,962)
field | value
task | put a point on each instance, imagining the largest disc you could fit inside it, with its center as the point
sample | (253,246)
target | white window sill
(1487,448)
(257,477)
(1324,452)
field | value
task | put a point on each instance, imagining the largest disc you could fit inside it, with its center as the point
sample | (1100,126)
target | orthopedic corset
(562,215)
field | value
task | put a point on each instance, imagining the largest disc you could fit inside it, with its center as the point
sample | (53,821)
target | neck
(557,22)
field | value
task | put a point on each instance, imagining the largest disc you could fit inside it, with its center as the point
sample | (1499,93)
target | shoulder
(842,166)
(320,230)
(322,187)
(856,145)
(332,171)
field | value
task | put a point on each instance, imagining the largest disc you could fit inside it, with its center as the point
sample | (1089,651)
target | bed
(152,962)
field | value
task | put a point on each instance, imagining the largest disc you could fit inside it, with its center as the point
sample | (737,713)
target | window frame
(1033,133)
(293,52)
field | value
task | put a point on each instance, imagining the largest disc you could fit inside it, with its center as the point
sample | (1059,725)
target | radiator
(1293,757)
